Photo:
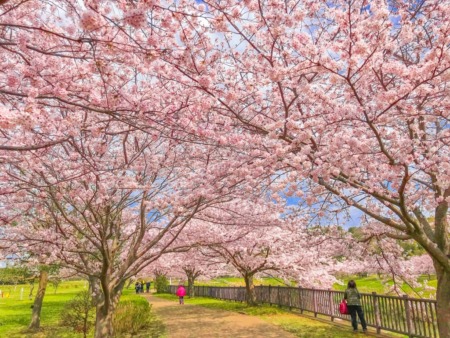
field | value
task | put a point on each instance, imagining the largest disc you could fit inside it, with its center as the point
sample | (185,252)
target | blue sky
(354,214)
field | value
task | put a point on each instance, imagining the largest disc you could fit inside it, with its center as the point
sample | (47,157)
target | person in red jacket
(181,292)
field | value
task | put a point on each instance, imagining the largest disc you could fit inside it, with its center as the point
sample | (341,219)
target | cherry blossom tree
(347,102)
(188,266)
(255,239)
(382,256)
(422,265)
(107,206)
(235,219)
(351,97)
(91,147)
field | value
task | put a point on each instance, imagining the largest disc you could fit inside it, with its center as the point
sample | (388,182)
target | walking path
(191,321)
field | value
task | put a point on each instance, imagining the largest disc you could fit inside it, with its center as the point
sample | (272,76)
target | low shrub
(78,313)
(132,316)
(161,284)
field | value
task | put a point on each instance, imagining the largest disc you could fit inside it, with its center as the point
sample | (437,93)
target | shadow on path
(191,321)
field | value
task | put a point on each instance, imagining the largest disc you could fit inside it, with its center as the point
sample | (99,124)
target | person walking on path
(353,299)
(181,292)
(137,286)
(147,286)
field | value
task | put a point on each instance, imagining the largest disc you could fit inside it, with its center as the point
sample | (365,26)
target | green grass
(374,284)
(15,314)
(365,284)
(300,326)
(237,281)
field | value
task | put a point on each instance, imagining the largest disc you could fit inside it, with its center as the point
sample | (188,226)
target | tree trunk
(443,300)
(191,280)
(37,306)
(30,296)
(103,322)
(250,290)
(105,310)
(130,281)
(95,291)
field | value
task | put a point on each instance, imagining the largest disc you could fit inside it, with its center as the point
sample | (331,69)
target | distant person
(147,286)
(353,299)
(137,287)
(181,292)
(142,287)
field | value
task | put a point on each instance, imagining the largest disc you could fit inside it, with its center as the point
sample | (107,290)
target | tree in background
(190,265)
(107,206)
(254,239)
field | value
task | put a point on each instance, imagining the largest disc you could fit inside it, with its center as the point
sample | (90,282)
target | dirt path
(191,321)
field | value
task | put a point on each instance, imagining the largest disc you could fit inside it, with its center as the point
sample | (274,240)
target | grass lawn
(15,314)
(300,326)
(365,284)
(237,281)
(374,284)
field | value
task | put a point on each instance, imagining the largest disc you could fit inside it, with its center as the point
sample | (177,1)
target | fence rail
(410,316)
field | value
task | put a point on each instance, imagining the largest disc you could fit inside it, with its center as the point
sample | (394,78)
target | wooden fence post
(300,299)
(408,316)
(289,298)
(279,300)
(315,302)
(270,298)
(330,297)
(376,309)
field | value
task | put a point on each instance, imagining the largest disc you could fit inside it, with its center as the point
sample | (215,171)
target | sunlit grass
(365,284)
(374,284)
(237,281)
(15,313)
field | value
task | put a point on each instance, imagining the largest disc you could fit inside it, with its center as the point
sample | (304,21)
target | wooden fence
(410,316)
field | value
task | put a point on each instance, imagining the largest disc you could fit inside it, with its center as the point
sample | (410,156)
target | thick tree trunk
(443,301)
(95,290)
(250,290)
(105,310)
(37,306)
(103,322)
